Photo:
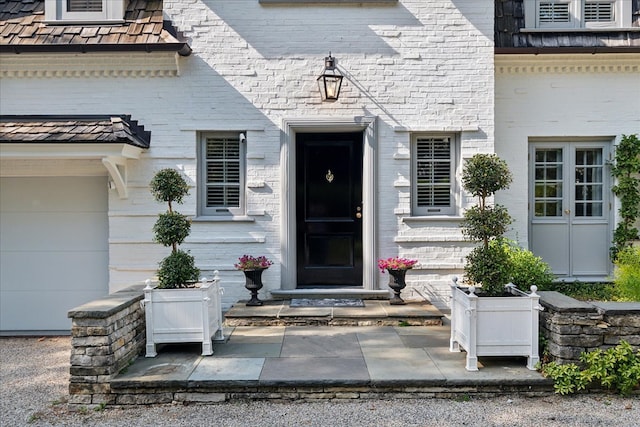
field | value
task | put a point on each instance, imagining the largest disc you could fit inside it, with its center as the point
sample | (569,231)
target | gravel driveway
(34,375)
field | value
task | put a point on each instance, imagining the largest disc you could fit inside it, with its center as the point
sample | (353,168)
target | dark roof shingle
(73,129)
(23,29)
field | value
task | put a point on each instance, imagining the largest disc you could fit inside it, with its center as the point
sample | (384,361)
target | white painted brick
(416,65)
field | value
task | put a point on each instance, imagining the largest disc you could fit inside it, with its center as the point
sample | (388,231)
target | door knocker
(329,176)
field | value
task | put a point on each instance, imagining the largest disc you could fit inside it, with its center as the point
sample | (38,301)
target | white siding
(585,96)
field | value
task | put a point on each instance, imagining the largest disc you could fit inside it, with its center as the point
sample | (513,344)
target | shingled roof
(23,29)
(509,21)
(89,129)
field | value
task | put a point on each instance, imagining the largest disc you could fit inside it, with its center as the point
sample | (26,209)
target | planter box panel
(494,326)
(183,315)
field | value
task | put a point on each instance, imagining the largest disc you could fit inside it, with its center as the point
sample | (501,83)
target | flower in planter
(248,262)
(396,263)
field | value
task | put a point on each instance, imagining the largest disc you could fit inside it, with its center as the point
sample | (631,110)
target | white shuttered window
(84,5)
(85,10)
(221,182)
(575,14)
(433,175)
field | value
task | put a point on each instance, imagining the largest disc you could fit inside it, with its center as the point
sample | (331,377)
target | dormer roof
(23,28)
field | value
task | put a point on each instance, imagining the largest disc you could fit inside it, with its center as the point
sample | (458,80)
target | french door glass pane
(589,182)
(548,182)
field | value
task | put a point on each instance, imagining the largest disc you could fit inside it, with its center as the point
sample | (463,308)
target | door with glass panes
(569,209)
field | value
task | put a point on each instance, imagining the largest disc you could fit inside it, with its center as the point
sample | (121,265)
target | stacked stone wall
(106,336)
(572,327)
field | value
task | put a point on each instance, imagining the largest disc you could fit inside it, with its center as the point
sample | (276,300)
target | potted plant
(397,268)
(179,308)
(252,267)
(485,321)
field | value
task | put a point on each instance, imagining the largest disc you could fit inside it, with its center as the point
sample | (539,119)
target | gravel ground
(34,374)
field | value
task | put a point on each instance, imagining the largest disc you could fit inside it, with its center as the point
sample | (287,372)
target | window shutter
(599,11)
(222,172)
(434,164)
(84,5)
(553,11)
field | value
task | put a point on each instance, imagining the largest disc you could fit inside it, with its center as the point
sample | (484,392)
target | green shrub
(624,169)
(506,262)
(585,291)
(171,227)
(627,274)
(616,368)
(489,266)
(527,270)
(177,270)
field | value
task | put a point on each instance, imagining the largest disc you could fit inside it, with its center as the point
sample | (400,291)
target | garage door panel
(53,231)
(54,250)
(40,311)
(64,271)
(55,194)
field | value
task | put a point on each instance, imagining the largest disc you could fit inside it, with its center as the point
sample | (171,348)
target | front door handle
(359,212)
(358,215)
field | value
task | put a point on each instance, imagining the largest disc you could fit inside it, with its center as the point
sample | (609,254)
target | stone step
(374,313)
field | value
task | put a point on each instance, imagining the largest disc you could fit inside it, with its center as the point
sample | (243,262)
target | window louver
(84,5)
(553,12)
(223,172)
(433,172)
(598,11)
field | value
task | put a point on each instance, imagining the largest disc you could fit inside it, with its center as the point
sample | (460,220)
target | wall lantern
(330,80)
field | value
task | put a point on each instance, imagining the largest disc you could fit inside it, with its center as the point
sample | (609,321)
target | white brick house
(422,91)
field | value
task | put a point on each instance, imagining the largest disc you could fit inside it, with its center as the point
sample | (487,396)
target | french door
(569,208)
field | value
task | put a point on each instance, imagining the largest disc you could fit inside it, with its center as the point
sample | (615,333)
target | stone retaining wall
(109,333)
(106,335)
(572,327)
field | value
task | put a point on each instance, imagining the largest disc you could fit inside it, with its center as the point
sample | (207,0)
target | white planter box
(495,326)
(183,315)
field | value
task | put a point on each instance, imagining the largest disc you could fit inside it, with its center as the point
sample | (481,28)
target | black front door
(329,209)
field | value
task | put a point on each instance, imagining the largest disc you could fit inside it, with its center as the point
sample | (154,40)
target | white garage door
(53,250)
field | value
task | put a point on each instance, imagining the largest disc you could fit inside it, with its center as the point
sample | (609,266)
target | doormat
(326,302)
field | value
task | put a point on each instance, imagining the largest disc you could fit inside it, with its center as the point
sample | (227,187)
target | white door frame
(288,198)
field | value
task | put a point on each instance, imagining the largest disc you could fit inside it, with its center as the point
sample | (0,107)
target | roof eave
(183,49)
(563,50)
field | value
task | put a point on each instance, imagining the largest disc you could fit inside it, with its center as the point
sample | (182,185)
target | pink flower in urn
(396,263)
(248,262)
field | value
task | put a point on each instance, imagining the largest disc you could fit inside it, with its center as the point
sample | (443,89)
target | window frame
(57,11)
(621,16)
(221,211)
(435,210)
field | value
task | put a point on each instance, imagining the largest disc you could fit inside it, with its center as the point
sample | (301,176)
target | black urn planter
(397,284)
(254,284)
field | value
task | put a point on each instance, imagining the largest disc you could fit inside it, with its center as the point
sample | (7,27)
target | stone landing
(374,313)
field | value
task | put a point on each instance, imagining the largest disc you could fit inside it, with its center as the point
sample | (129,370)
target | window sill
(432,218)
(223,219)
(326,1)
(85,22)
(579,30)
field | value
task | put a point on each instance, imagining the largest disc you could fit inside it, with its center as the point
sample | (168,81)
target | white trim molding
(113,157)
(290,127)
(564,64)
(94,65)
